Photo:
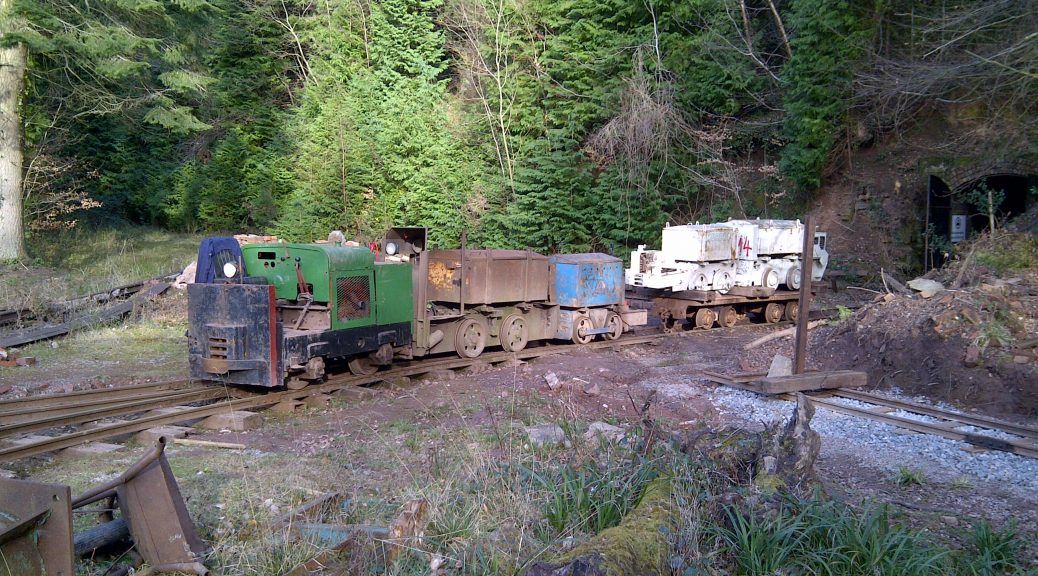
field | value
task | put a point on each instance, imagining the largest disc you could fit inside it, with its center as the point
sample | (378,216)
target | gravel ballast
(890,447)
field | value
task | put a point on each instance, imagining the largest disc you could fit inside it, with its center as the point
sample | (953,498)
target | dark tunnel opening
(954,215)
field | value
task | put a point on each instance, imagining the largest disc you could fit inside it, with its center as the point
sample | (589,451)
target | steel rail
(1018,447)
(118,409)
(30,412)
(81,397)
(334,384)
(965,419)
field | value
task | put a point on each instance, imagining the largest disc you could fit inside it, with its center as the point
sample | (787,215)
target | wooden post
(461,293)
(807,258)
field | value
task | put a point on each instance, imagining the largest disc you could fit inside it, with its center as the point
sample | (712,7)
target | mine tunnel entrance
(955,214)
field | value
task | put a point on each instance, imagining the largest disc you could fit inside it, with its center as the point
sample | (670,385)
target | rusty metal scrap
(402,533)
(35,529)
(36,521)
(154,510)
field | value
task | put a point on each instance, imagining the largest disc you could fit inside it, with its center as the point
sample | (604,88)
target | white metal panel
(700,242)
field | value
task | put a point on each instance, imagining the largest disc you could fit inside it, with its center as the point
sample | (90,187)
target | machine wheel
(727,316)
(471,338)
(581,326)
(296,383)
(699,282)
(514,335)
(770,278)
(773,312)
(722,281)
(793,278)
(792,310)
(704,318)
(362,366)
(616,326)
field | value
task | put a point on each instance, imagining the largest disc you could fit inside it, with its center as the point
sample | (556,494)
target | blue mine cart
(589,290)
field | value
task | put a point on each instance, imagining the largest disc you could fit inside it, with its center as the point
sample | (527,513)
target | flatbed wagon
(702,309)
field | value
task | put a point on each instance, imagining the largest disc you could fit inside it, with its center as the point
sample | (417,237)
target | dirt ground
(384,449)
(418,438)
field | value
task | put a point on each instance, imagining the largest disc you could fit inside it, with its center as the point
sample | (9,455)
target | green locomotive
(295,307)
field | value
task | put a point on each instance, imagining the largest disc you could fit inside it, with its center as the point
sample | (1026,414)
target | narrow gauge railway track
(60,411)
(21,422)
(31,414)
(944,423)
(228,399)
(935,421)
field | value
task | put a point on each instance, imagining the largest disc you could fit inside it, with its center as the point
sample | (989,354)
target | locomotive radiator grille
(354,296)
(218,348)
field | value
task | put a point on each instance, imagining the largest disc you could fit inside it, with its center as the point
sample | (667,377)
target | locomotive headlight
(391,248)
(229,270)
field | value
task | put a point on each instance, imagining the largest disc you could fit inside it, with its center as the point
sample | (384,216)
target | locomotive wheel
(792,311)
(773,312)
(704,318)
(296,383)
(471,338)
(616,326)
(727,316)
(581,327)
(514,335)
(362,366)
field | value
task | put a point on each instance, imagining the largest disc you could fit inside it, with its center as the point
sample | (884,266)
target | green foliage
(1010,252)
(819,537)
(467,116)
(995,551)
(828,40)
(908,477)
(101,59)
(589,499)
(234,190)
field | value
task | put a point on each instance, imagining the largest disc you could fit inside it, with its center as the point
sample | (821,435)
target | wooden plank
(751,291)
(813,381)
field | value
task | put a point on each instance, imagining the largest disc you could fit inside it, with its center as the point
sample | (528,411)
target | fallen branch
(864,289)
(781,334)
(898,287)
(966,263)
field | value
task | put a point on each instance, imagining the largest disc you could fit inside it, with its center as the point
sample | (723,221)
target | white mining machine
(708,273)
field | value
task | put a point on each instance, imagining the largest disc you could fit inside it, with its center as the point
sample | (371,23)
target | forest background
(559,125)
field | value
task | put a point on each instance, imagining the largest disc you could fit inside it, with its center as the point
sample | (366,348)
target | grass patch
(1009,252)
(496,507)
(907,477)
(824,537)
(87,260)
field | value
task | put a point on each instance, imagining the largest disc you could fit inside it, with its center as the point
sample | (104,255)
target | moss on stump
(638,545)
